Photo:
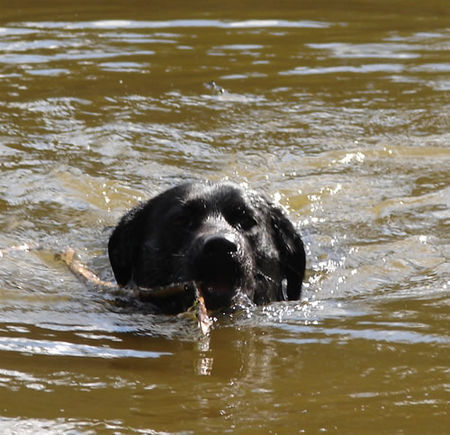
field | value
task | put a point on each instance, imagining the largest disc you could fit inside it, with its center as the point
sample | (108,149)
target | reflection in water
(205,361)
(338,114)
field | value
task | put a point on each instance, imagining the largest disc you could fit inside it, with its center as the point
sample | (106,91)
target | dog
(231,240)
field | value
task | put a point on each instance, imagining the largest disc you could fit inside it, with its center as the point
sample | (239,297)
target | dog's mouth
(218,265)
(218,287)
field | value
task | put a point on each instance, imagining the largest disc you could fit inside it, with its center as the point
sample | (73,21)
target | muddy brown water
(337,110)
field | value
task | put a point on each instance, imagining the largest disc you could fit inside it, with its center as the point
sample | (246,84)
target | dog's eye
(181,221)
(242,218)
(247,224)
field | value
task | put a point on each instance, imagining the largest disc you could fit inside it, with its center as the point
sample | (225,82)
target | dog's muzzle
(218,267)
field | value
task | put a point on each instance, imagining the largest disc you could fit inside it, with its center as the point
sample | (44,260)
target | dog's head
(231,240)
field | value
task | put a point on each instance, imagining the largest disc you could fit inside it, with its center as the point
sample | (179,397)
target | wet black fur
(231,239)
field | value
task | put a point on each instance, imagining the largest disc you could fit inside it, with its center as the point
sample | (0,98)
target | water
(339,112)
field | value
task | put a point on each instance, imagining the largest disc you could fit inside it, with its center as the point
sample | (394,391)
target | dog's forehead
(218,194)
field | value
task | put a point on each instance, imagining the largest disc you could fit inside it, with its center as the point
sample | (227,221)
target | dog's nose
(220,245)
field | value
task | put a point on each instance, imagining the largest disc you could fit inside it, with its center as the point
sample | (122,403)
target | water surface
(337,111)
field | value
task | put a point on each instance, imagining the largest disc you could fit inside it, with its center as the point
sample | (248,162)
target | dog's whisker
(265,277)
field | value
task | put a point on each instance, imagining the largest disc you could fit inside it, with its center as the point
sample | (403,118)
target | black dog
(231,240)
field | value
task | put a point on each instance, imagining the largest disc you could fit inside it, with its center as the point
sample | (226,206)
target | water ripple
(61,348)
(194,23)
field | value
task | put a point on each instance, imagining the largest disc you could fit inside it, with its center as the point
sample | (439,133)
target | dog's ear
(292,252)
(124,243)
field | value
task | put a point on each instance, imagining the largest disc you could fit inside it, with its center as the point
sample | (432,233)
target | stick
(204,321)
(198,307)
(77,268)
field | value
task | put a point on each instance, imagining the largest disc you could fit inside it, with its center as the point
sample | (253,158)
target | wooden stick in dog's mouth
(198,307)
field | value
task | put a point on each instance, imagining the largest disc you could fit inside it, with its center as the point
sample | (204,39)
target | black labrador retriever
(229,239)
